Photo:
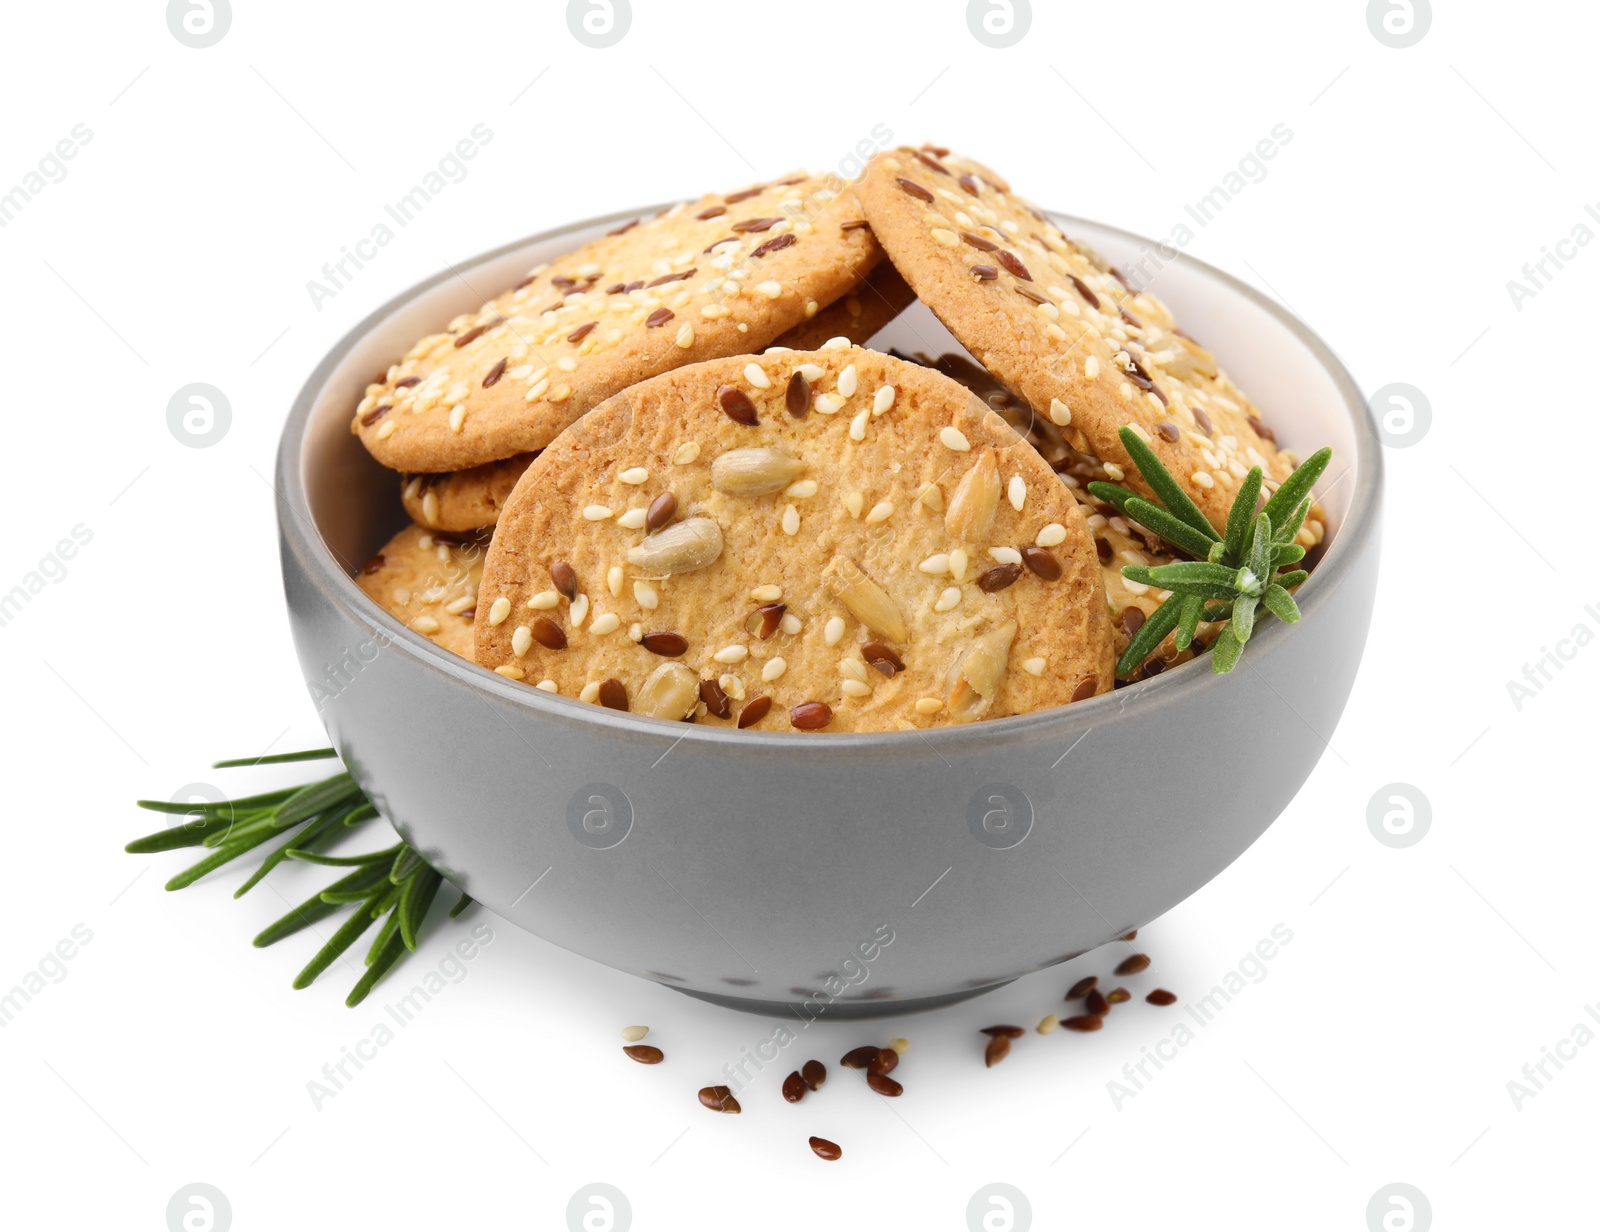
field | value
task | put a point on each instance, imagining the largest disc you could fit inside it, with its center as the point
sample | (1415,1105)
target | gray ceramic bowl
(840,874)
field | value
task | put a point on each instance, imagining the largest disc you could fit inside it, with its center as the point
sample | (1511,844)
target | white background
(177,248)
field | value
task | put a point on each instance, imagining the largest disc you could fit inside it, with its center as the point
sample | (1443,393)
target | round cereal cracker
(1067,332)
(831,540)
(723,275)
(429,582)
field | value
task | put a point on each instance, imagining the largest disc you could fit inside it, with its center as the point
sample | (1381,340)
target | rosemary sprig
(395,884)
(1232,575)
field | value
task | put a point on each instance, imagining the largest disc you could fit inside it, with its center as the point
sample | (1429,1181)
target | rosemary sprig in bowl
(1232,575)
(394,882)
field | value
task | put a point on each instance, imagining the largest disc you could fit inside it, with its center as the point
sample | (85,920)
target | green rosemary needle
(394,884)
(1231,576)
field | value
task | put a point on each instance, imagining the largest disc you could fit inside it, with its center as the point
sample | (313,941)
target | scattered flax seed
(645,1054)
(1133,964)
(1005,1029)
(883,1084)
(1162,997)
(719,1099)
(754,710)
(1082,988)
(1083,1022)
(998,1049)
(1118,995)
(1047,1024)
(810,716)
(1096,1003)
(825,1149)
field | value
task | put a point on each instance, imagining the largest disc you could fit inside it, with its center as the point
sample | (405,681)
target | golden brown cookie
(828,540)
(429,582)
(460,501)
(723,275)
(1054,323)
(857,314)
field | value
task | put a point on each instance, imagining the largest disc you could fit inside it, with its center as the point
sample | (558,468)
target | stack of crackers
(664,473)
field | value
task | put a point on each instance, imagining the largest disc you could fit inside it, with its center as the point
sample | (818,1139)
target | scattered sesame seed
(948,238)
(511,671)
(1017,492)
(854,503)
(633,519)
(731,654)
(847,381)
(756,377)
(828,404)
(771,289)
(1051,535)
(936,565)
(578,610)
(543,600)
(929,705)
(790,623)
(521,641)
(499,610)
(1203,480)
(801,488)
(833,630)
(386,429)
(881,512)
(614,580)
(958,564)
(685,338)
(1034,666)
(767,594)
(932,496)
(458,417)
(560,393)
(855,688)
(1114,472)
(645,595)
(1006,556)
(858,426)
(606,622)
(589,692)
(811,372)
(425,624)
(713,311)
(549,686)
(1091,367)
(791,520)
(774,668)
(948,599)
(567,364)
(634,475)
(883,399)
(1060,413)
(951,438)
(686,453)
(836,344)
(596,513)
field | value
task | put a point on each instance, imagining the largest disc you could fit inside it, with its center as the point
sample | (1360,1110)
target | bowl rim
(300,530)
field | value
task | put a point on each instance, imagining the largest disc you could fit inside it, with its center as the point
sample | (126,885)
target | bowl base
(841,1010)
